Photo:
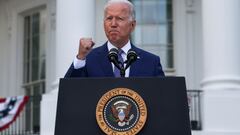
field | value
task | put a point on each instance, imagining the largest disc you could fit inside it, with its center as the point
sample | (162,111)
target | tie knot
(120,58)
(120,51)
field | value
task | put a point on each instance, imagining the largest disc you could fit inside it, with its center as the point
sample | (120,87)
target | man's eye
(120,19)
(109,18)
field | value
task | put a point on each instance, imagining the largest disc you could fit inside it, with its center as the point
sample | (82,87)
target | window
(34,69)
(154,30)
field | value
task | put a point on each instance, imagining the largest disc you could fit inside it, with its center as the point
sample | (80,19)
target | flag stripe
(14,112)
(2,100)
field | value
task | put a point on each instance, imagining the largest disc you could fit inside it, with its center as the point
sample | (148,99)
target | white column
(221,49)
(75,19)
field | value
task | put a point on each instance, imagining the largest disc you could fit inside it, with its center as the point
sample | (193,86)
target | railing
(21,126)
(194,101)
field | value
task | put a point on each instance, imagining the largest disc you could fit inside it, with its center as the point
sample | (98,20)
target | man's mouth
(113,31)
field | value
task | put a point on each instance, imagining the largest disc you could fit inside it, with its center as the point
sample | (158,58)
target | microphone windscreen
(131,55)
(113,54)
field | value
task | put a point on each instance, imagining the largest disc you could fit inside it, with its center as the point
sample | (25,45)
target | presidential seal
(121,111)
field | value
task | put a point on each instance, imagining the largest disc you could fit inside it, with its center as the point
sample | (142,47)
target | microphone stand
(122,70)
(113,57)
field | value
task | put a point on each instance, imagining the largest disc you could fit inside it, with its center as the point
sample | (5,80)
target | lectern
(165,99)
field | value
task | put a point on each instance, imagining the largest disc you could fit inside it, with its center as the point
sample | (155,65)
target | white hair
(131,7)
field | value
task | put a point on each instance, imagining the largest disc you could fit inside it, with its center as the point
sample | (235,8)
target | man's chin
(116,43)
(114,40)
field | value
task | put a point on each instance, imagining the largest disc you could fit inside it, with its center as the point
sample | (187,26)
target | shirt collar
(125,48)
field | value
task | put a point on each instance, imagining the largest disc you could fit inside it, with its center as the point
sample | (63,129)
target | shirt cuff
(77,63)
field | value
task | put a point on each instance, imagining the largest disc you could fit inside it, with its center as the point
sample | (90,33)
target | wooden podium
(165,98)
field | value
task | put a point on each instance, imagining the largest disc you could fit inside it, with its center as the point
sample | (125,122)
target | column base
(48,112)
(215,133)
(221,82)
(221,111)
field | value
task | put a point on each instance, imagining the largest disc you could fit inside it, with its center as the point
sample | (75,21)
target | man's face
(117,24)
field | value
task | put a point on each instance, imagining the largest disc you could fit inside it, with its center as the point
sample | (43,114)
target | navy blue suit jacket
(98,65)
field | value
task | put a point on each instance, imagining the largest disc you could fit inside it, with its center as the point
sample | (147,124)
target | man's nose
(114,23)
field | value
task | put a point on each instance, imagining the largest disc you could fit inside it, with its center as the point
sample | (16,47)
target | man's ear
(133,24)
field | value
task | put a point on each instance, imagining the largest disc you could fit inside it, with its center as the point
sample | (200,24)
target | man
(119,22)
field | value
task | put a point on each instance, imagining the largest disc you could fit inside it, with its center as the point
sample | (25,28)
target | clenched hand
(85,46)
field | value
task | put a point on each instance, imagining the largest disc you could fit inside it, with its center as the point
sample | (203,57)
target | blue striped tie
(120,59)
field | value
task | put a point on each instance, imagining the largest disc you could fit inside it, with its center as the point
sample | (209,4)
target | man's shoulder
(103,49)
(98,50)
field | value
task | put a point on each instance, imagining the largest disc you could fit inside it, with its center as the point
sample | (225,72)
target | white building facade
(39,39)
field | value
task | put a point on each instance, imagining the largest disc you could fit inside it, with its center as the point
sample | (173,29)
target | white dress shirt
(77,63)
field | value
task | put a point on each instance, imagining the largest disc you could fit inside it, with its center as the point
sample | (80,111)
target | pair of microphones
(113,57)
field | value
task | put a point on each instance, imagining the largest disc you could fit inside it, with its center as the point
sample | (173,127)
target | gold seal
(121,111)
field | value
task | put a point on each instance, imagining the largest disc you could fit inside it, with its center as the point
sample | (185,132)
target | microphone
(113,57)
(131,57)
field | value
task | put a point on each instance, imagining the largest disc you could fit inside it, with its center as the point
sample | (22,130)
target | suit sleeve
(81,72)
(158,68)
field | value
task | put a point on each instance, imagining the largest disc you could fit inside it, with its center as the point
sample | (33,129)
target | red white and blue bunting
(10,108)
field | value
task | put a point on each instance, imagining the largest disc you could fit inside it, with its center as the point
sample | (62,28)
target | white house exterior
(206,50)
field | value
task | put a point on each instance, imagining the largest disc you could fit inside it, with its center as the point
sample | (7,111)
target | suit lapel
(135,66)
(106,66)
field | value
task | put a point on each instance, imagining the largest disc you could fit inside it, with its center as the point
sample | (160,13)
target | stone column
(221,51)
(75,19)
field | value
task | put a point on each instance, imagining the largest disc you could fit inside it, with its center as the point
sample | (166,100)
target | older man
(119,23)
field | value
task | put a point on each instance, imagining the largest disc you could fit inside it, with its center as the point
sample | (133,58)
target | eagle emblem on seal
(121,113)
